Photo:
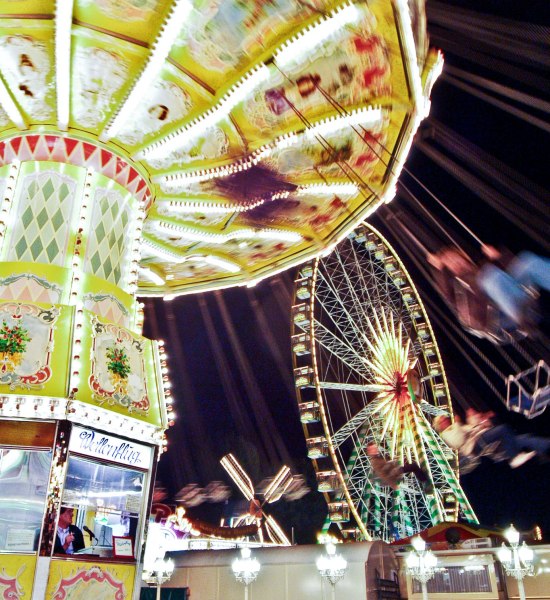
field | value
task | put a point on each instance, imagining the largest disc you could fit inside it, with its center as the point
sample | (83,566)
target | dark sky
(483,154)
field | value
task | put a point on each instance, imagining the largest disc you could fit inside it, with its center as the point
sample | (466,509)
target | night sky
(483,154)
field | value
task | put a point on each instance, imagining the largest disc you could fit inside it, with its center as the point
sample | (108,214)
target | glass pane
(24,476)
(458,580)
(107,500)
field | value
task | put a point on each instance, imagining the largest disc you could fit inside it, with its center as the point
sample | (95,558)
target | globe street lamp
(516,560)
(332,566)
(160,573)
(245,569)
(421,564)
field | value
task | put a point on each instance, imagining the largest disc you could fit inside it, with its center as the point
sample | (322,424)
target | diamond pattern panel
(109,238)
(44,207)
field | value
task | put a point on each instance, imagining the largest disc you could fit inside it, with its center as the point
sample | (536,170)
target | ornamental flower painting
(118,365)
(10,586)
(13,340)
(92,582)
(118,371)
(26,344)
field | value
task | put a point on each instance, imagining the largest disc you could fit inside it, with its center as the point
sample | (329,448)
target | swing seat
(528,392)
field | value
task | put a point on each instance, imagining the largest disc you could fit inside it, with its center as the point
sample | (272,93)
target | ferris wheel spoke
(345,432)
(390,299)
(346,327)
(372,270)
(435,464)
(353,287)
(361,487)
(430,409)
(341,350)
(350,387)
(357,483)
(441,464)
(338,307)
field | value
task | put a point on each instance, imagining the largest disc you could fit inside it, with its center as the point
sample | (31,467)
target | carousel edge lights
(298,45)
(361,116)
(168,34)
(11,108)
(167,406)
(7,201)
(83,217)
(196,235)
(254,281)
(135,251)
(139,317)
(63,29)
(74,375)
(317,33)
(211,117)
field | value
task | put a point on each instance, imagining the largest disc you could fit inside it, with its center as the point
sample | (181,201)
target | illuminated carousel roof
(259,132)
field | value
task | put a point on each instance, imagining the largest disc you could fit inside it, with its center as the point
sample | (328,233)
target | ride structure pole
(424,586)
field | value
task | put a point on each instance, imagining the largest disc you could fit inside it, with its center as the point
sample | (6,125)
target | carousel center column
(83,403)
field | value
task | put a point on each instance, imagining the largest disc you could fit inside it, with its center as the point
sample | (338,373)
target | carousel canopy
(260,132)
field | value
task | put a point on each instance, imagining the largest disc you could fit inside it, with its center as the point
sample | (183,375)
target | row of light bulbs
(364,116)
(288,54)
(167,391)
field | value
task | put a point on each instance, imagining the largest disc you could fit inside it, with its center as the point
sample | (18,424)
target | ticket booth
(105,486)
(102,480)
(83,409)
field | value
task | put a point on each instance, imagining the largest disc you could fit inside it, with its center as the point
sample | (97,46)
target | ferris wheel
(367,369)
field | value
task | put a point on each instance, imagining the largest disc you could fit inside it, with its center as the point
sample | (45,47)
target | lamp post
(517,560)
(245,569)
(160,573)
(421,564)
(332,566)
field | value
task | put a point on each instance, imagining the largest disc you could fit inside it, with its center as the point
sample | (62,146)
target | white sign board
(20,539)
(108,447)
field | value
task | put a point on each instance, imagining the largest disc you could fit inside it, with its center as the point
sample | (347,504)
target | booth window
(458,580)
(107,502)
(24,478)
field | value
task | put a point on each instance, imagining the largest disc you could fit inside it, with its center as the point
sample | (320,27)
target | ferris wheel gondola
(368,370)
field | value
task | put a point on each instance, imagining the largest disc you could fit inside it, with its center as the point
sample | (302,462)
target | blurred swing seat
(528,392)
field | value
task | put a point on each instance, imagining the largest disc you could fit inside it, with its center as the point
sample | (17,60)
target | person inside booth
(69,538)
(105,500)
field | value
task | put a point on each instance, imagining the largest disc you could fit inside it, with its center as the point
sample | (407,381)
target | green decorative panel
(42,214)
(110,232)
